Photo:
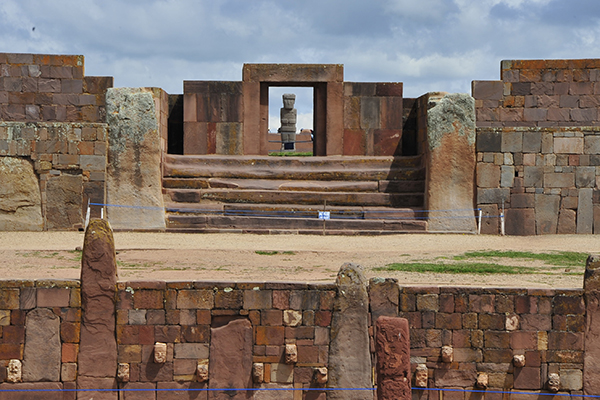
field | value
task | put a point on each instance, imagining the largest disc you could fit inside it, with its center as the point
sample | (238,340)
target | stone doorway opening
(301,142)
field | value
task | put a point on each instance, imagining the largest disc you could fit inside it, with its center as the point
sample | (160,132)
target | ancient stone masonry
(538,147)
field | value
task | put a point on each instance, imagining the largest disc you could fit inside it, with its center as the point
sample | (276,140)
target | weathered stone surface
(320,376)
(160,353)
(291,353)
(488,175)
(98,347)
(451,162)
(64,202)
(202,371)
(553,382)
(42,354)
(585,211)
(421,376)
(392,346)
(258,372)
(490,222)
(274,391)
(489,141)
(50,390)
(591,367)
(134,173)
(20,200)
(383,297)
(91,383)
(507,177)
(520,221)
(123,372)
(567,222)
(292,317)
(447,354)
(449,377)
(230,364)
(492,196)
(546,213)
(349,350)
(519,360)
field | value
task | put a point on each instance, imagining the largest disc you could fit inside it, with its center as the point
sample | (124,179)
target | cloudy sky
(430,45)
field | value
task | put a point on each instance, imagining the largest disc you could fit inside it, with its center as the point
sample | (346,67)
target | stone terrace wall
(547,178)
(69,161)
(42,87)
(544,93)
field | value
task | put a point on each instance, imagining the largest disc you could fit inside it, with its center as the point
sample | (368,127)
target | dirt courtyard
(297,258)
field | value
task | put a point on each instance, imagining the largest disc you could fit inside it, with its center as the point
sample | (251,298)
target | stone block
(591,144)
(487,90)
(270,335)
(527,378)
(191,350)
(520,221)
(454,378)
(546,213)
(292,317)
(53,297)
(42,355)
(258,299)
(585,177)
(507,176)
(585,212)
(387,142)
(567,222)
(488,175)
(64,202)
(532,142)
(489,141)
(383,297)
(392,344)
(490,223)
(522,200)
(20,198)
(568,145)
(492,195)
(533,176)
(512,141)
(354,142)
(195,299)
(559,180)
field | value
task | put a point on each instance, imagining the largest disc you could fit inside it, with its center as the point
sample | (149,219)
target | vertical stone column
(98,347)
(450,161)
(591,367)
(392,346)
(349,350)
(134,173)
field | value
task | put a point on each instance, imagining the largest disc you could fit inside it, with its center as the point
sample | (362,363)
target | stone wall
(44,88)
(69,163)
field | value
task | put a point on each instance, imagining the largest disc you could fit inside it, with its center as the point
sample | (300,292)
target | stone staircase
(261,194)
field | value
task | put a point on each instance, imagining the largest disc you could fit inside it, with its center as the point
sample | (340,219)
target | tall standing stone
(392,346)
(41,358)
(349,351)
(134,152)
(450,158)
(20,199)
(591,287)
(230,363)
(98,346)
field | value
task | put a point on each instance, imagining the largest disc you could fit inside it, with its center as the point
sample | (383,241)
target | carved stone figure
(123,372)
(288,116)
(421,376)
(553,382)
(14,373)
(258,372)
(519,360)
(160,353)
(320,376)
(482,380)
(291,354)
(202,370)
(447,354)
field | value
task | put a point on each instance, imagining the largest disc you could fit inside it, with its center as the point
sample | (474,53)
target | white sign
(324,215)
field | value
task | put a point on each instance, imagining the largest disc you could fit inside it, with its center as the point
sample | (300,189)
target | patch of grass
(457,268)
(563,258)
(272,253)
(291,154)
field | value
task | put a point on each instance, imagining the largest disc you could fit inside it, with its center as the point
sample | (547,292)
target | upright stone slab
(349,351)
(20,200)
(383,297)
(98,346)
(450,159)
(392,346)
(591,367)
(134,172)
(230,362)
(42,354)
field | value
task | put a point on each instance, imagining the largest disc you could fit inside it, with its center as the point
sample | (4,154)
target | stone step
(331,168)
(294,197)
(295,185)
(295,211)
(290,225)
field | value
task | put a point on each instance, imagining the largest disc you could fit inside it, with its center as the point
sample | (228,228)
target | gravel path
(237,257)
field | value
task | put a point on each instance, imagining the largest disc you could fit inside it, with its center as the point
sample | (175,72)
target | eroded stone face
(13,370)
(519,360)
(512,322)
(258,372)
(553,382)
(202,370)
(123,372)
(160,353)
(320,376)
(447,354)
(291,354)
(421,375)
(482,380)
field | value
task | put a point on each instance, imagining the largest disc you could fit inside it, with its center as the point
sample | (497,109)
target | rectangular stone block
(488,175)
(490,224)
(507,176)
(196,351)
(512,141)
(487,90)
(568,145)
(585,177)
(532,142)
(559,180)
(198,299)
(566,222)
(591,144)
(489,140)
(546,213)
(492,196)
(258,299)
(585,212)
(520,221)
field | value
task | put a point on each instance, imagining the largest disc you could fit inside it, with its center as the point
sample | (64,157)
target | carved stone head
(288,100)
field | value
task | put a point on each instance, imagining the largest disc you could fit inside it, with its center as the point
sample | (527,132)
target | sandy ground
(299,258)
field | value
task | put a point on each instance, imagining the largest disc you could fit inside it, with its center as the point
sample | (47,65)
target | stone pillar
(230,363)
(134,176)
(349,350)
(392,346)
(450,160)
(591,367)
(98,347)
